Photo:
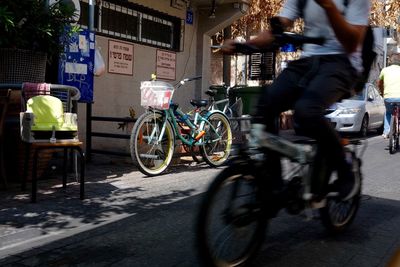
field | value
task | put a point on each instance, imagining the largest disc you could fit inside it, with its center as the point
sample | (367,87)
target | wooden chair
(4,100)
(48,122)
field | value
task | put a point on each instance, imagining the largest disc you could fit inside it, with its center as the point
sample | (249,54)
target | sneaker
(385,136)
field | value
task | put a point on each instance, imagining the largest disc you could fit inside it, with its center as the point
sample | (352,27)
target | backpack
(368,55)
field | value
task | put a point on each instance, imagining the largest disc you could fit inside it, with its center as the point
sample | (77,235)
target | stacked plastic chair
(47,122)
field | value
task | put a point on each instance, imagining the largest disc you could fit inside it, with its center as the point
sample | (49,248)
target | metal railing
(90,134)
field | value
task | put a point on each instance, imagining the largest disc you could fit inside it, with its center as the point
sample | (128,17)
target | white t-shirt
(317,25)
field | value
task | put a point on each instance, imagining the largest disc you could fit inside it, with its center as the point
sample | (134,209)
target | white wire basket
(156,94)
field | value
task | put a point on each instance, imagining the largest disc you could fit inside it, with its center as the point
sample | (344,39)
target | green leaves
(30,24)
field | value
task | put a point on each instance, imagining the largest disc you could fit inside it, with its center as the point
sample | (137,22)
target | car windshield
(359,96)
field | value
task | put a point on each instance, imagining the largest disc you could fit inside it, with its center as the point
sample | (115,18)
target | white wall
(114,94)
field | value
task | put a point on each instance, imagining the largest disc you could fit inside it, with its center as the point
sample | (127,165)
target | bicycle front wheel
(151,152)
(217,140)
(231,221)
(338,214)
(393,135)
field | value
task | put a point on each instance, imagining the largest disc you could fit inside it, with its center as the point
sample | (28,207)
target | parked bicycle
(231,106)
(238,204)
(394,129)
(154,134)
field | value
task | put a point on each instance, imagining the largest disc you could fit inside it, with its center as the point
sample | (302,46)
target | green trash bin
(250,96)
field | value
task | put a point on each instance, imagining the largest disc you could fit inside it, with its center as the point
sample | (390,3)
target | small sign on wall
(120,57)
(166,65)
(189,17)
(76,64)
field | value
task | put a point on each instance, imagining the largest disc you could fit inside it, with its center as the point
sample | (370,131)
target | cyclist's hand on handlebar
(264,39)
(229,47)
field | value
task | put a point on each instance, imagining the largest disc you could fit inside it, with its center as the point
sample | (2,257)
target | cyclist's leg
(332,82)
(388,116)
(389,111)
(279,97)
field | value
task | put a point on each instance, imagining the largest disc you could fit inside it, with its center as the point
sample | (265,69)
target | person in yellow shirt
(389,86)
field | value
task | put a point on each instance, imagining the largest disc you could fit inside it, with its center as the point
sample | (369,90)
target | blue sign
(288,48)
(189,17)
(76,64)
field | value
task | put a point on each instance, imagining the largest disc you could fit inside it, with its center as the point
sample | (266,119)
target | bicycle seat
(199,103)
(211,92)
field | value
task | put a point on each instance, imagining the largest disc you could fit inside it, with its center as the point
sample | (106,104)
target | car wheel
(380,130)
(364,126)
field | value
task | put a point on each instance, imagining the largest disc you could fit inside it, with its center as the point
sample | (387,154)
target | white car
(360,113)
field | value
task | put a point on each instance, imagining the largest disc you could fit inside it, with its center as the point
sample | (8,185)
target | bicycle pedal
(200,135)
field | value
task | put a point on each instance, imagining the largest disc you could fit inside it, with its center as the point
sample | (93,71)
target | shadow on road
(159,234)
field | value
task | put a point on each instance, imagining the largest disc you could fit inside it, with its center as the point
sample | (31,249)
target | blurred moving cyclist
(389,86)
(322,76)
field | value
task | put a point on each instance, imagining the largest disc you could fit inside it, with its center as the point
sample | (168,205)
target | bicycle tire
(238,213)
(215,151)
(338,215)
(393,135)
(149,157)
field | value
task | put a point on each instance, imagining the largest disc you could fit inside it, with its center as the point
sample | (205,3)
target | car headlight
(349,111)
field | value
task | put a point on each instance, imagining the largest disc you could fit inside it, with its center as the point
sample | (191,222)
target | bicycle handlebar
(182,82)
(192,78)
(280,40)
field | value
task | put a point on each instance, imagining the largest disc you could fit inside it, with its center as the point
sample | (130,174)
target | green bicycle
(153,138)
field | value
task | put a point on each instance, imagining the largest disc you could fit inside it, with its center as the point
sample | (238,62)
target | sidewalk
(128,219)
(111,187)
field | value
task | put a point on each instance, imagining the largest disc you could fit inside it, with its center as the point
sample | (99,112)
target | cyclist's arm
(349,35)
(380,83)
(266,37)
(381,86)
(261,40)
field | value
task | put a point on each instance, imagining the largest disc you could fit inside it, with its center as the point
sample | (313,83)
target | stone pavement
(131,220)
(113,192)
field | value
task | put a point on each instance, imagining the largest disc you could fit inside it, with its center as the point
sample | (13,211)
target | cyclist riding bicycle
(322,76)
(389,86)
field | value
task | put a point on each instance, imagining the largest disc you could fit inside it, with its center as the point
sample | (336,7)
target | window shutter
(262,66)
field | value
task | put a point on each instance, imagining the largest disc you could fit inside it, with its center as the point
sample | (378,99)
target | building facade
(138,38)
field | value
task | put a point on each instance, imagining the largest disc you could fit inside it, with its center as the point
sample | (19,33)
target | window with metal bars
(128,21)
(262,66)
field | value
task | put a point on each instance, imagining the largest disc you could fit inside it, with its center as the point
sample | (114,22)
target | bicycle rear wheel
(231,221)
(337,215)
(217,140)
(150,153)
(393,135)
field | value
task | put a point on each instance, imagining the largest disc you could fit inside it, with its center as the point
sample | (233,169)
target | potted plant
(30,33)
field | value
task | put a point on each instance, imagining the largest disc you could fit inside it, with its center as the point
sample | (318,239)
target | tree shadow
(164,235)
(112,187)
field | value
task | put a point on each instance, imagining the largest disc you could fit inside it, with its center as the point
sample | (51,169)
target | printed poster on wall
(166,65)
(77,62)
(120,57)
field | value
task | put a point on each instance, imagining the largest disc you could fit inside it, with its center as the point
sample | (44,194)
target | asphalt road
(150,222)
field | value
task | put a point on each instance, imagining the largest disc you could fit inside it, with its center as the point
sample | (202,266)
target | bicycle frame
(300,153)
(215,104)
(198,124)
